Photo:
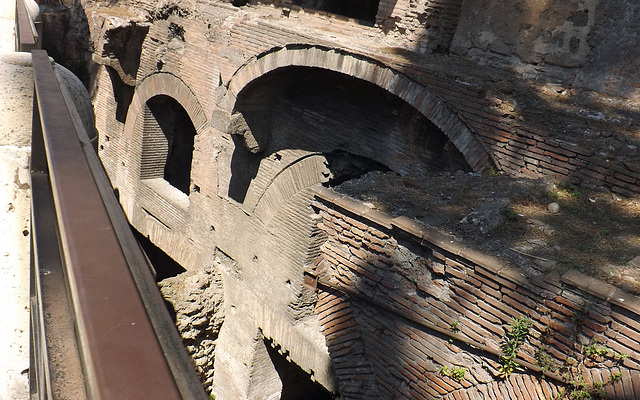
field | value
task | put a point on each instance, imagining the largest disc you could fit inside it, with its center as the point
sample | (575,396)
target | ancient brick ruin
(224,125)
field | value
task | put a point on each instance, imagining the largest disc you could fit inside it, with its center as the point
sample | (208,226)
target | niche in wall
(167,143)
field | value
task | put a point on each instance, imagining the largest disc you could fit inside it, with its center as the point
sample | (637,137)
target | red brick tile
(635,381)
(515,388)
(525,386)
(491,309)
(626,318)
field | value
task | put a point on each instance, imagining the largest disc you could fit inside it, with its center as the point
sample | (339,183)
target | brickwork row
(405,286)
(344,340)
(520,148)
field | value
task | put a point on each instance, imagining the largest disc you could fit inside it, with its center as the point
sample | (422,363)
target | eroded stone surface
(196,298)
(15,137)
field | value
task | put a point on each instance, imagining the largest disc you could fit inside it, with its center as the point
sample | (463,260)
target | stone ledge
(492,264)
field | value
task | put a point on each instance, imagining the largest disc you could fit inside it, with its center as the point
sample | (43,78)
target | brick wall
(391,293)
(520,148)
(391,290)
(517,147)
(426,25)
(523,148)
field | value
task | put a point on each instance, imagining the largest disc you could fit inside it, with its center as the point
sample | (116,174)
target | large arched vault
(414,94)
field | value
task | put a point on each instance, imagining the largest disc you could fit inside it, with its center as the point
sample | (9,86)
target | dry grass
(597,233)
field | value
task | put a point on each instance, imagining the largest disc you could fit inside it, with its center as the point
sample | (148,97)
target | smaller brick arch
(153,86)
(371,71)
(299,175)
(162,84)
(168,85)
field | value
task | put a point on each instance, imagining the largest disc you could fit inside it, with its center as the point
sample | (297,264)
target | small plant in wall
(544,360)
(592,350)
(454,326)
(516,335)
(577,388)
(455,373)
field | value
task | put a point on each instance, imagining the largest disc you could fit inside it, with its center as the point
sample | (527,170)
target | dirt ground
(532,224)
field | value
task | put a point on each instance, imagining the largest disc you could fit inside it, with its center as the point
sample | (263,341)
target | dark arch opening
(328,112)
(365,10)
(168,141)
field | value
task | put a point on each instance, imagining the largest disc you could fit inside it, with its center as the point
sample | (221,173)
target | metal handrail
(27,37)
(118,332)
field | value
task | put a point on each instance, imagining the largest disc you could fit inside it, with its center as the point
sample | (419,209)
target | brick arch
(295,177)
(168,85)
(374,72)
(151,86)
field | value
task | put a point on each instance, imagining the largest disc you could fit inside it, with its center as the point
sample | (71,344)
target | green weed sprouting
(592,350)
(544,360)
(455,373)
(515,337)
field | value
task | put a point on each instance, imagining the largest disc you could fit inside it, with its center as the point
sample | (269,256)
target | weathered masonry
(224,125)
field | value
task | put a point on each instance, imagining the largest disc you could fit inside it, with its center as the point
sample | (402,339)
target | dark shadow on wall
(364,10)
(168,142)
(296,383)
(163,265)
(326,112)
(66,38)
(124,44)
(123,95)
(432,25)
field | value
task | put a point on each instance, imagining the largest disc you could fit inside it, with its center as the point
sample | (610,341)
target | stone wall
(535,31)
(583,34)
(260,148)
(398,302)
(196,301)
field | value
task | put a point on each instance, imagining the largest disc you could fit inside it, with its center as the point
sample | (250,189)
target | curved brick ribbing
(300,174)
(368,70)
